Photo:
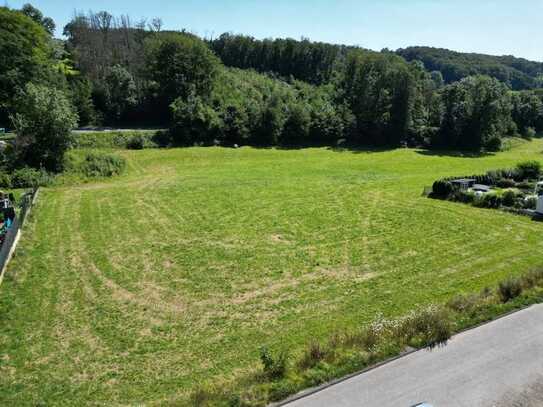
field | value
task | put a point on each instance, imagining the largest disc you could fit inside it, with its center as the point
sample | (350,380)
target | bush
(442,189)
(488,200)
(530,202)
(529,133)
(275,367)
(532,279)
(136,143)
(96,164)
(314,353)
(117,139)
(509,289)
(43,123)
(5,180)
(529,170)
(30,178)
(506,183)
(430,326)
(463,303)
(463,196)
(509,198)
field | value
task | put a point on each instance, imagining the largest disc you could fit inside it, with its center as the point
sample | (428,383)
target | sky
(498,27)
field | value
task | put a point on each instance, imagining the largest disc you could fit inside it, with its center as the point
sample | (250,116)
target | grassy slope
(136,289)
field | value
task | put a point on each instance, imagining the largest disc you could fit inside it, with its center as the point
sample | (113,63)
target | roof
(480,187)
(463,180)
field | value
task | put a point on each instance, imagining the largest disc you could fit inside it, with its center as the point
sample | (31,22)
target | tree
(81,95)
(24,46)
(120,92)
(181,65)
(193,121)
(43,124)
(297,126)
(380,90)
(46,22)
(477,114)
(527,112)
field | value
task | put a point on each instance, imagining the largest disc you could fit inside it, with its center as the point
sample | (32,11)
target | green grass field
(136,289)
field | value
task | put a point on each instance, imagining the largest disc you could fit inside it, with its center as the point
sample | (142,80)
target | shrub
(5,180)
(43,123)
(97,164)
(463,303)
(463,196)
(275,366)
(529,133)
(530,202)
(488,200)
(30,178)
(509,198)
(137,142)
(532,279)
(442,189)
(509,289)
(314,353)
(430,326)
(506,183)
(529,170)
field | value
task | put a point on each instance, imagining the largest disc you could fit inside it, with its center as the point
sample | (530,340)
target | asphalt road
(498,364)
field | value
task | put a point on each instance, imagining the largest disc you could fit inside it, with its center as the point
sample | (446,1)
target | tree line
(237,90)
(518,73)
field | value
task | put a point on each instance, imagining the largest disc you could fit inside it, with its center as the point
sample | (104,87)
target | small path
(495,363)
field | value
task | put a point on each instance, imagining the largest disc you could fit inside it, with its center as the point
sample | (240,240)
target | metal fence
(28,200)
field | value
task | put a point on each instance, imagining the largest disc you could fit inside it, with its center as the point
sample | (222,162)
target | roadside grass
(139,288)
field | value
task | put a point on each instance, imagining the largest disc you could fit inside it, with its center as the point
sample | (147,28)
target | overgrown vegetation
(95,164)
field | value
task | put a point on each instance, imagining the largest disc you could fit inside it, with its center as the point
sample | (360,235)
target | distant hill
(519,73)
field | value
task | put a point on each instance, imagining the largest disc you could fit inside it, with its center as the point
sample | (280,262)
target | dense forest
(518,73)
(238,90)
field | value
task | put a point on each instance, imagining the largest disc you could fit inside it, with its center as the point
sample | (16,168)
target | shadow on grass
(457,154)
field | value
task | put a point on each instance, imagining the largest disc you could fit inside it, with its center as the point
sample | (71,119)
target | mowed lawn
(136,289)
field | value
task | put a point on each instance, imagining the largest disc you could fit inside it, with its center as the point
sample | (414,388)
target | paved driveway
(499,364)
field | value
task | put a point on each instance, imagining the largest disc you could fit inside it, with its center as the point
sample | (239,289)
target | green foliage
(137,142)
(506,183)
(119,92)
(95,164)
(275,366)
(24,46)
(81,96)
(429,326)
(312,62)
(509,289)
(46,22)
(194,121)
(314,354)
(43,123)
(509,198)
(476,114)
(117,139)
(527,113)
(30,178)
(454,66)
(190,193)
(530,203)
(5,180)
(380,90)
(181,65)
(529,170)
(442,189)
